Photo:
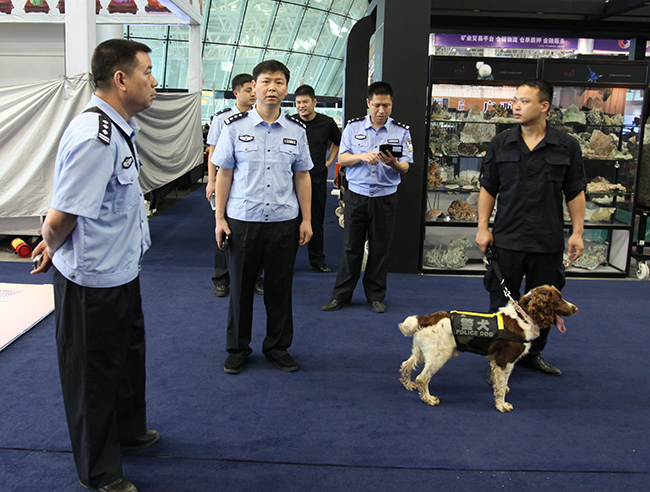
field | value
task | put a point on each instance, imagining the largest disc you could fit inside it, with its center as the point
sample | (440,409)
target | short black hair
(271,66)
(238,81)
(380,88)
(306,90)
(113,55)
(545,89)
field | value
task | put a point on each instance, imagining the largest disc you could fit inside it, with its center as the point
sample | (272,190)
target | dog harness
(475,332)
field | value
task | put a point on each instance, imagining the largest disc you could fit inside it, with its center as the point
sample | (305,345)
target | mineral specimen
(574,115)
(601,214)
(554,115)
(601,185)
(453,256)
(475,113)
(439,112)
(461,210)
(467,149)
(592,257)
(601,144)
(433,176)
(595,117)
(450,145)
(477,133)
(433,214)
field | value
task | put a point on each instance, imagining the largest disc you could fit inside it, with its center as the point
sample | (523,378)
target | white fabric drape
(32,119)
(34,116)
(171,141)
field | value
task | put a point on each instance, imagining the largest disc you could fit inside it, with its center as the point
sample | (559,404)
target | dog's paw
(409,385)
(504,407)
(431,400)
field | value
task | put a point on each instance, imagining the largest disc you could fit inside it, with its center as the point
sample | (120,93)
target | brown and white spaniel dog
(435,341)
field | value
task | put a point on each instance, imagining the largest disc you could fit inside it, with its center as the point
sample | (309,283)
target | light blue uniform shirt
(217,123)
(99,184)
(264,158)
(359,137)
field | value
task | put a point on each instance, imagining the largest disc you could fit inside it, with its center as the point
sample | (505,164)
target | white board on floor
(22,306)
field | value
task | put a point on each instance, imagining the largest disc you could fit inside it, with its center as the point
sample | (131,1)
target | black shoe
(221,290)
(259,287)
(333,305)
(149,438)
(321,268)
(538,363)
(119,485)
(234,364)
(377,306)
(285,362)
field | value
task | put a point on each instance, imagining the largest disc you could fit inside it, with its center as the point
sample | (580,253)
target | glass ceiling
(308,36)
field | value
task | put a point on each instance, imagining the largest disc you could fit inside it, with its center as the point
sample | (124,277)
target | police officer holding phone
(376,150)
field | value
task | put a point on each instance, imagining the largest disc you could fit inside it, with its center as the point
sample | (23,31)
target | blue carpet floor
(343,422)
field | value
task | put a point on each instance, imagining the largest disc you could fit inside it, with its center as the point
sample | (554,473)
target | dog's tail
(409,326)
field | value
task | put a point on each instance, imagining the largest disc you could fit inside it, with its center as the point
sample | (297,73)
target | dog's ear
(540,308)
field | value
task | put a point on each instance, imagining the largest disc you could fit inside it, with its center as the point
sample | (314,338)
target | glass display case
(600,104)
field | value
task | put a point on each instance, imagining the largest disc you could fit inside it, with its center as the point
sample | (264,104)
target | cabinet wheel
(642,271)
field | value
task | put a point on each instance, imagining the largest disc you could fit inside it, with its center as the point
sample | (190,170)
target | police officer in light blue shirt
(242,88)
(96,233)
(263,210)
(373,174)
(262,157)
(112,233)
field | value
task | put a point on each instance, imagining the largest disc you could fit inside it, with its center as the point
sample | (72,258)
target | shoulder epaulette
(236,117)
(357,119)
(105,129)
(296,119)
(225,110)
(401,124)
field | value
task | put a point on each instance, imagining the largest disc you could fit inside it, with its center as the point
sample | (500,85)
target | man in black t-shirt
(322,133)
(527,172)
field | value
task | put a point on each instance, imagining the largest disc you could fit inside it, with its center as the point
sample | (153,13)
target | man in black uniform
(322,134)
(528,170)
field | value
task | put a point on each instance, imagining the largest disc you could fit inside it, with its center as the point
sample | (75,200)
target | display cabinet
(599,104)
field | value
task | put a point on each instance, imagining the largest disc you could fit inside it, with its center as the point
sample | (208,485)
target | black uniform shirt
(529,186)
(320,130)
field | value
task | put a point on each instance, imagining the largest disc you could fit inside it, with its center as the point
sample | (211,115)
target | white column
(195,83)
(79,36)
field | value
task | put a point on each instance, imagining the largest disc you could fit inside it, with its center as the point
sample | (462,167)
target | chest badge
(246,138)
(393,140)
(290,141)
(127,162)
(360,136)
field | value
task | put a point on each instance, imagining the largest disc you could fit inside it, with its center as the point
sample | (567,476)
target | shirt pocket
(556,166)
(361,146)
(509,166)
(245,150)
(126,194)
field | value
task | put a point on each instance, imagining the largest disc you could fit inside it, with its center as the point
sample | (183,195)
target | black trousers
(220,276)
(315,245)
(272,245)
(537,268)
(101,351)
(373,218)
